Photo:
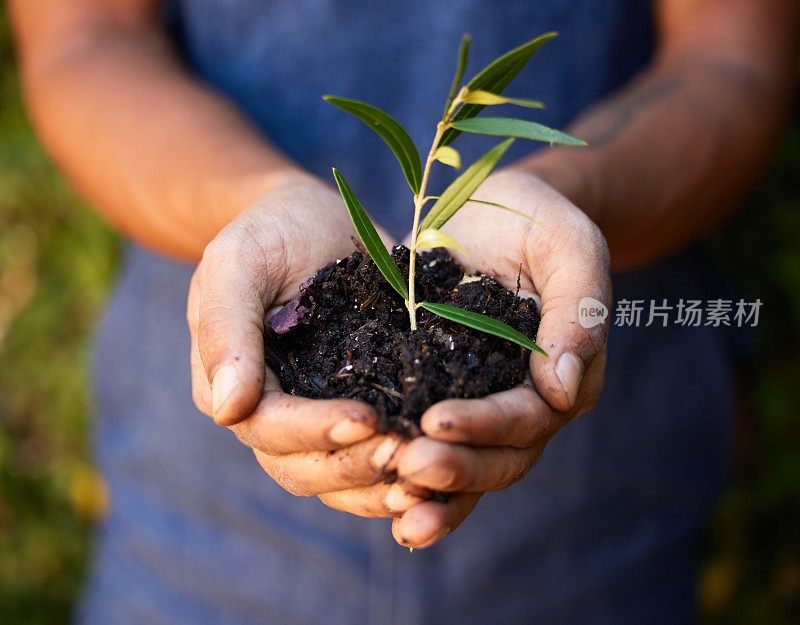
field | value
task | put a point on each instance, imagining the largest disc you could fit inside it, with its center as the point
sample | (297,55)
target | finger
(378,501)
(565,259)
(315,472)
(448,467)
(284,424)
(238,276)
(430,521)
(201,389)
(571,271)
(518,417)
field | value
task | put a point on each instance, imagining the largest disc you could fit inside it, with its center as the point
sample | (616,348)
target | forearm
(166,160)
(673,152)
(668,157)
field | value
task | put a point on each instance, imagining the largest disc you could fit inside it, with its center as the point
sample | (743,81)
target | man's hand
(478,445)
(257,262)
(734,60)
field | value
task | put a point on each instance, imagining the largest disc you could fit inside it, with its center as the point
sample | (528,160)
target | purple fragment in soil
(290,316)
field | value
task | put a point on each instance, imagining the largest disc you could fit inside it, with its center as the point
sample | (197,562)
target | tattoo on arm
(603,127)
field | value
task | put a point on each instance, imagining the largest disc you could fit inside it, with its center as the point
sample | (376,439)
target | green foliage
(495,77)
(369,236)
(483,323)
(56,264)
(463,55)
(448,156)
(491,99)
(460,190)
(519,128)
(390,130)
(431,238)
(503,207)
(57,261)
(463,104)
(752,569)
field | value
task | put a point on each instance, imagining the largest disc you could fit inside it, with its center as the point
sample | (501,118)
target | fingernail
(569,371)
(422,461)
(433,476)
(222,387)
(422,537)
(348,431)
(398,499)
(384,452)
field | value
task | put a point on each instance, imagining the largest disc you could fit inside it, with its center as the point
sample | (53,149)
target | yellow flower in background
(88,493)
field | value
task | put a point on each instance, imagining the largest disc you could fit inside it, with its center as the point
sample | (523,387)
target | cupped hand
(479,445)
(257,262)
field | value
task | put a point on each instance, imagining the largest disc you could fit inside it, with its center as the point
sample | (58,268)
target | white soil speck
(467,279)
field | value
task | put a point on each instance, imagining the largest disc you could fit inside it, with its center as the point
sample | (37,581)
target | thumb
(575,296)
(236,282)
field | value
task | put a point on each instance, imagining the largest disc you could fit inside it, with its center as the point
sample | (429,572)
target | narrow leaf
(463,187)
(520,128)
(482,323)
(369,237)
(448,156)
(495,77)
(463,53)
(504,207)
(388,129)
(488,98)
(431,237)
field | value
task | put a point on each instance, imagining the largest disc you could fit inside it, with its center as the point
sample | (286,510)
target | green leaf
(460,190)
(463,53)
(448,156)
(431,237)
(495,77)
(504,207)
(483,323)
(488,98)
(520,128)
(369,237)
(388,129)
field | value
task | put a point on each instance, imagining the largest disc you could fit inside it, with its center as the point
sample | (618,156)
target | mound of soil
(347,335)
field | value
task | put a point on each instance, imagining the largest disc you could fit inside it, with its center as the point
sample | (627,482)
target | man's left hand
(472,446)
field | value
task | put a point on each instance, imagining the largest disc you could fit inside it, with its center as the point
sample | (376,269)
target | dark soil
(347,335)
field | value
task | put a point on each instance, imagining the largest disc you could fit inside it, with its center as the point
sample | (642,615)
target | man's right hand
(257,262)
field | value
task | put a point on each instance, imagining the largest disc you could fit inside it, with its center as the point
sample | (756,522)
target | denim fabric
(605,530)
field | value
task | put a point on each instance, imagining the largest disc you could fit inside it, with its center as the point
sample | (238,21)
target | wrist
(288,177)
(250,188)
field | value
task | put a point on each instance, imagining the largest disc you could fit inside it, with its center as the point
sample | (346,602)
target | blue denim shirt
(603,531)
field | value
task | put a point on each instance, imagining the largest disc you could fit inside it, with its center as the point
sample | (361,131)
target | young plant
(460,115)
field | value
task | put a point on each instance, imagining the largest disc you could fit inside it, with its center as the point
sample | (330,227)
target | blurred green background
(57,261)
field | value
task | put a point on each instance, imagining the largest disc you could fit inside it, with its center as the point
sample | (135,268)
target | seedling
(460,115)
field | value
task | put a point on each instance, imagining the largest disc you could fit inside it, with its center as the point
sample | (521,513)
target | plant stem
(419,202)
